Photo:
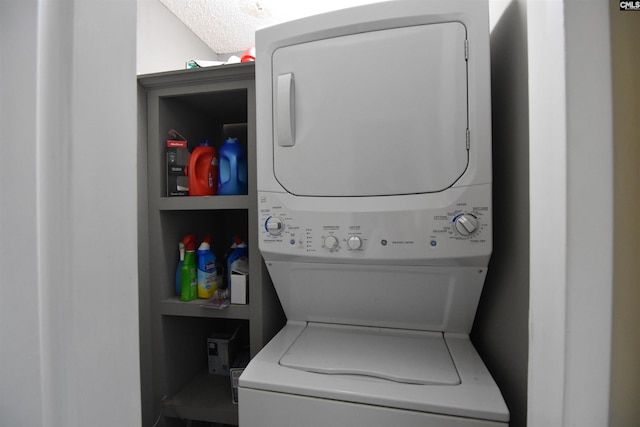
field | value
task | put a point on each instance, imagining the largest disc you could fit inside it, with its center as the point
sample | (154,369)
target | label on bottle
(207,281)
(189,284)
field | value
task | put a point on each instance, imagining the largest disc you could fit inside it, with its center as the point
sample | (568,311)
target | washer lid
(411,357)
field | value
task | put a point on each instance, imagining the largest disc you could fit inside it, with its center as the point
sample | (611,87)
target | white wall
(571,213)
(21,394)
(68,312)
(547,98)
(164,42)
(551,81)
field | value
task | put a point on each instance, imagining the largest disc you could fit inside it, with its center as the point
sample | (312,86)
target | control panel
(461,229)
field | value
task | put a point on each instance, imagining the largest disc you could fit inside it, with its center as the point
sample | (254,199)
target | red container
(203,170)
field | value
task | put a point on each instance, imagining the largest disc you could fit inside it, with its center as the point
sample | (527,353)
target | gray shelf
(202,203)
(211,103)
(206,397)
(175,307)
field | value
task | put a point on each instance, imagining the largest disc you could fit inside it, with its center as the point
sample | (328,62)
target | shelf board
(206,397)
(199,76)
(202,203)
(174,307)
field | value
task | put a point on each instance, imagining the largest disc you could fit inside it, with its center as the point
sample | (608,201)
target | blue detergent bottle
(232,168)
(225,264)
(241,251)
(207,272)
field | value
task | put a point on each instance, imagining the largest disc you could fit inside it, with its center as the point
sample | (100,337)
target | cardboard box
(221,349)
(177,160)
(239,281)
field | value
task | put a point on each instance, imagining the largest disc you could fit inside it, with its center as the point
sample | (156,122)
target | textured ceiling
(228,26)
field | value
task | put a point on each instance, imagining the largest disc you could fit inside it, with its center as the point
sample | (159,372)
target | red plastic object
(249,55)
(203,170)
(189,242)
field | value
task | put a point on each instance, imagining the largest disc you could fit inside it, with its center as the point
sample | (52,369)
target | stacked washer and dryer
(374,201)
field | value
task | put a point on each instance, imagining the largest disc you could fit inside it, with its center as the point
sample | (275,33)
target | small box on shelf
(221,349)
(177,160)
(239,281)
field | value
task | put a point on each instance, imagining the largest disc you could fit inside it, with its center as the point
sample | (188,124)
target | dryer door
(371,114)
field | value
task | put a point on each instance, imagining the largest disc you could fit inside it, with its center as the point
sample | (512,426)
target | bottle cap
(189,242)
(206,244)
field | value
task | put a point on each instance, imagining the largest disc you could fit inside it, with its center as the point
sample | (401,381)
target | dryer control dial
(330,242)
(466,224)
(354,242)
(274,225)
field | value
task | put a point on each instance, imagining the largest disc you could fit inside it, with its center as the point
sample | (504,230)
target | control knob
(330,242)
(274,225)
(466,224)
(354,242)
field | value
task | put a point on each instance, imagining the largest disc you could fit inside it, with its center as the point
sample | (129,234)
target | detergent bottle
(202,170)
(225,263)
(207,272)
(189,289)
(241,251)
(233,168)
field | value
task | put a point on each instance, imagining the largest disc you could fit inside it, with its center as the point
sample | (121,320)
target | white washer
(374,186)
(438,380)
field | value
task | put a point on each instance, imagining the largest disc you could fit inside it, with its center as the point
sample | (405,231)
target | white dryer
(374,187)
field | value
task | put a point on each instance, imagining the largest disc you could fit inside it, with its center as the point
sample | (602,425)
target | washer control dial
(466,224)
(274,225)
(354,242)
(330,242)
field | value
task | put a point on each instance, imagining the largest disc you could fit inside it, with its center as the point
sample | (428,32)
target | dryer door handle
(285,110)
